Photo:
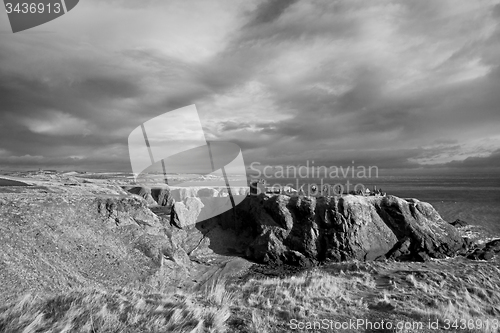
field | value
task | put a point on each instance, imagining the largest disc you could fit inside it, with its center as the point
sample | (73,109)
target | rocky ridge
(57,237)
(307,230)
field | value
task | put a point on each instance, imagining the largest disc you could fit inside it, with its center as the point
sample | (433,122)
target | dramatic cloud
(55,123)
(397,84)
(490,161)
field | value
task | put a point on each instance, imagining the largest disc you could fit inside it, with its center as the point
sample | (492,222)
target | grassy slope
(371,291)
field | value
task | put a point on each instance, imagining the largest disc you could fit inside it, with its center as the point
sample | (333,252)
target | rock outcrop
(143,192)
(486,251)
(51,242)
(420,230)
(305,230)
(459,223)
(162,196)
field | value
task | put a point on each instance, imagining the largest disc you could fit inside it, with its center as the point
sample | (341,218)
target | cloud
(269,11)
(56,123)
(232,125)
(388,83)
(491,161)
(108,87)
(25,159)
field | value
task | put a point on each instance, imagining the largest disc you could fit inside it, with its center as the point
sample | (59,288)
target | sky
(401,85)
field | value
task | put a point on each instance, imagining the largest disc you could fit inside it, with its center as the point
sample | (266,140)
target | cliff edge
(306,230)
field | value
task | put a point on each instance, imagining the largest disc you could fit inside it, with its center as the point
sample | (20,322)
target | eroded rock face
(185,213)
(52,242)
(162,196)
(305,230)
(419,228)
(143,192)
(325,228)
(486,252)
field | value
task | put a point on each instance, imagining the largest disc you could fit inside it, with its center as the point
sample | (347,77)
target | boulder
(52,242)
(346,228)
(143,192)
(421,224)
(300,230)
(487,252)
(162,196)
(459,223)
(325,228)
(186,213)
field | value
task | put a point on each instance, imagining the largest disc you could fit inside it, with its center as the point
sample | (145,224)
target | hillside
(93,257)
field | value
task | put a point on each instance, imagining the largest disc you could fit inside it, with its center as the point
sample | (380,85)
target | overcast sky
(397,84)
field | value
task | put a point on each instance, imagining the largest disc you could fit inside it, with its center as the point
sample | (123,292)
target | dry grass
(444,293)
(346,291)
(117,311)
(469,296)
(270,304)
(154,305)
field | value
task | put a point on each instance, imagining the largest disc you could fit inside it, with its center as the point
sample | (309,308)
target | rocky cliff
(307,230)
(55,242)
(61,240)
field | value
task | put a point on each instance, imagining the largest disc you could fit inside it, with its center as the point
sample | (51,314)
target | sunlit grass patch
(120,310)
(267,305)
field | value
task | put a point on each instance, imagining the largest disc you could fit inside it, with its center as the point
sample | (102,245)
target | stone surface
(325,228)
(459,223)
(421,224)
(57,237)
(162,196)
(486,252)
(51,242)
(186,213)
(343,228)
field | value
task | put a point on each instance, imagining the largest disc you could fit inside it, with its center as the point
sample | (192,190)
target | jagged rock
(295,258)
(421,223)
(421,256)
(304,230)
(487,252)
(326,228)
(51,242)
(143,192)
(186,213)
(162,196)
(268,249)
(467,246)
(127,211)
(401,249)
(347,227)
(459,223)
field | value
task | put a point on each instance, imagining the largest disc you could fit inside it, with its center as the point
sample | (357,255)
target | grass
(149,306)
(445,294)
(113,311)
(370,291)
